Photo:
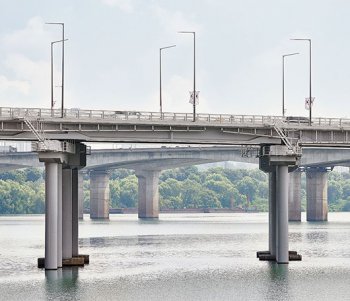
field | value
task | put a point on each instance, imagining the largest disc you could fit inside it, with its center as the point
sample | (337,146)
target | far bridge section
(315,162)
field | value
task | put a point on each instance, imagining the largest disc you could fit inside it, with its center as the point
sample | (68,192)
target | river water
(179,257)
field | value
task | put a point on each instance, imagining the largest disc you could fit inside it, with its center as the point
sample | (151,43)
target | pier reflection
(278,286)
(61,282)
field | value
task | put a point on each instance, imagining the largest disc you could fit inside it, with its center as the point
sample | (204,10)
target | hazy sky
(112,56)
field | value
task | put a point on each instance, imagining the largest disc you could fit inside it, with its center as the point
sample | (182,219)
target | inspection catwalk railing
(109,115)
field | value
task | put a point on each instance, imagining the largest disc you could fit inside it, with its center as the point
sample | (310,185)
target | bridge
(60,146)
(316,162)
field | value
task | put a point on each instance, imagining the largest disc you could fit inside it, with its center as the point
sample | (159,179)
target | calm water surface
(179,257)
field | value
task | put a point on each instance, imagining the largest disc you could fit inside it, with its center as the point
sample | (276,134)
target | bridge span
(60,146)
(315,162)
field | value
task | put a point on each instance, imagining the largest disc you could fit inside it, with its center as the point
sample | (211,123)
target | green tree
(33,174)
(334,191)
(191,194)
(248,187)
(208,199)
(128,192)
(121,173)
(226,193)
(114,189)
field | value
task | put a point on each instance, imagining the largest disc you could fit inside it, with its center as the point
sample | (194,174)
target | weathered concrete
(81,195)
(135,158)
(272,213)
(148,193)
(99,194)
(294,196)
(59,217)
(75,213)
(67,223)
(51,214)
(276,160)
(316,194)
(282,243)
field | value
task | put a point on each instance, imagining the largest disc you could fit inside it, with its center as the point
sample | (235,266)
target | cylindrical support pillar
(75,213)
(272,213)
(99,194)
(59,217)
(81,194)
(294,196)
(67,213)
(316,195)
(148,193)
(51,214)
(282,245)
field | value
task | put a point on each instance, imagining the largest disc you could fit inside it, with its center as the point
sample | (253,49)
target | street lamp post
(52,43)
(160,78)
(283,56)
(194,71)
(310,95)
(62,24)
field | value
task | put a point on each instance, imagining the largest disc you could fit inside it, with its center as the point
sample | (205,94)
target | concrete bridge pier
(275,160)
(316,194)
(61,207)
(294,196)
(282,242)
(51,215)
(75,213)
(59,217)
(148,193)
(53,206)
(81,194)
(67,223)
(99,194)
(272,212)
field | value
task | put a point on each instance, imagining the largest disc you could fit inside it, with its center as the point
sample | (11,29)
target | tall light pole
(194,71)
(310,95)
(52,43)
(62,24)
(283,56)
(160,78)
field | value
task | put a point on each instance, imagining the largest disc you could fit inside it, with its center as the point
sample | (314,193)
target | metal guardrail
(109,115)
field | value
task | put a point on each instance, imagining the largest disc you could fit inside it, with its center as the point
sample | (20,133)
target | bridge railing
(76,113)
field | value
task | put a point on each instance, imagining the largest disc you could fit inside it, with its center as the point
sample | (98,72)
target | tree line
(23,191)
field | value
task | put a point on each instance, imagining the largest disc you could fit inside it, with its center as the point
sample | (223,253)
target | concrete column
(272,213)
(316,195)
(81,194)
(148,193)
(67,225)
(99,194)
(294,196)
(51,215)
(75,213)
(282,245)
(59,216)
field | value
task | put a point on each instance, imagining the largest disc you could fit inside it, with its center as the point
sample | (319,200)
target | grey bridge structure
(60,145)
(315,162)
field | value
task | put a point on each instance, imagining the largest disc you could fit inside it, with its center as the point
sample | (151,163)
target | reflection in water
(150,221)
(61,283)
(278,272)
(97,241)
(278,286)
(317,237)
